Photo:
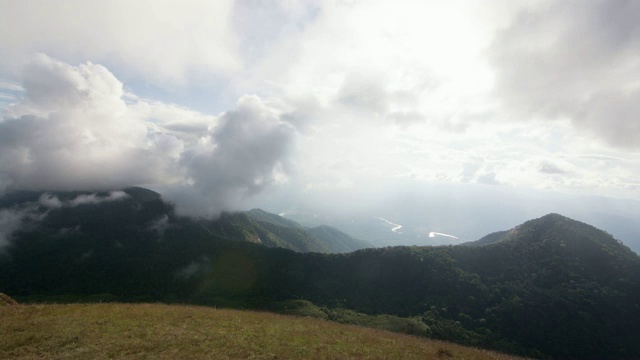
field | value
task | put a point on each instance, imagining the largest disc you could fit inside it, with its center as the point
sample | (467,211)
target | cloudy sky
(226,104)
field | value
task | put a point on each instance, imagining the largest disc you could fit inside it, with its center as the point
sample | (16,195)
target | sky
(496,109)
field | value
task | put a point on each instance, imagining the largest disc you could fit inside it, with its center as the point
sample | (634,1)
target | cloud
(245,153)
(160,41)
(77,130)
(7,85)
(10,221)
(10,92)
(194,268)
(575,60)
(14,218)
(92,199)
(549,167)
(160,225)
(73,131)
(50,201)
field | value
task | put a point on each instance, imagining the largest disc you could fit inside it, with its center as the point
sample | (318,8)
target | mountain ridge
(147,208)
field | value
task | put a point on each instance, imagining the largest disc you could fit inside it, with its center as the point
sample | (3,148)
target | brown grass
(7,300)
(153,331)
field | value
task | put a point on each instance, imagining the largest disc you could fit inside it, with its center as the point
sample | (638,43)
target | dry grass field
(155,331)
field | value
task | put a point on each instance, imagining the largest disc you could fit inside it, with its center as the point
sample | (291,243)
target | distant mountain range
(551,287)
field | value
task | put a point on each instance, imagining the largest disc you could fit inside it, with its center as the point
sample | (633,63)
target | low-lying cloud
(14,218)
(245,153)
(76,129)
(53,202)
(10,221)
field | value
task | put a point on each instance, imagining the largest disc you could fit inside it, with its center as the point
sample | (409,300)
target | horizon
(376,231)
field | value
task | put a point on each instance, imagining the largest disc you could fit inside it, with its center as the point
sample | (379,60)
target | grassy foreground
(154,331)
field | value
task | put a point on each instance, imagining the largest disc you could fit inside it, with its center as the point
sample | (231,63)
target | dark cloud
(574,59)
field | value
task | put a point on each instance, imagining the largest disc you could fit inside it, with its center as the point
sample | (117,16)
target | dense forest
(551,287)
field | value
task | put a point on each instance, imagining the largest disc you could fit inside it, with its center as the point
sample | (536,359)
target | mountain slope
(488,239)
(318,239)
(263,216)
(337,240)
(562,245)
(567,280)
(138,212)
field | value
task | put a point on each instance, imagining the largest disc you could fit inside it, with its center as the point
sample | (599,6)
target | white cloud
(575,60)
(161,41)
(245,153)
(75,131)
(53,202)
(96,199)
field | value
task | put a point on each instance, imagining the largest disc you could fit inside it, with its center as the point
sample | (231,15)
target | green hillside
(124,331)
(336,239)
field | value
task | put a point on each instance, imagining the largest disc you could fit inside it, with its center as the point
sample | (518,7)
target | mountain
(263,216)
(562,245)
(494,237)
(140,211)
(336,239)
(551,287)
(568,283)
(332,239)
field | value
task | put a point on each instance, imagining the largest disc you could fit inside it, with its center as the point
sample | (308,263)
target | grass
(6,300)
(155,331)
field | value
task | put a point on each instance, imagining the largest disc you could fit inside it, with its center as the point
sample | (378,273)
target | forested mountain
(549,287)
(138,212)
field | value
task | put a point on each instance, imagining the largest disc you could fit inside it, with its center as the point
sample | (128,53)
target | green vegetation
(551,287)
(337,240)
(412,326)
(144,331)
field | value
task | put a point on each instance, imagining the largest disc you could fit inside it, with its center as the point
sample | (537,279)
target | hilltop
(127,331)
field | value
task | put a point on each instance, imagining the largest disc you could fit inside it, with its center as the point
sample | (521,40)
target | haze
(459,118)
